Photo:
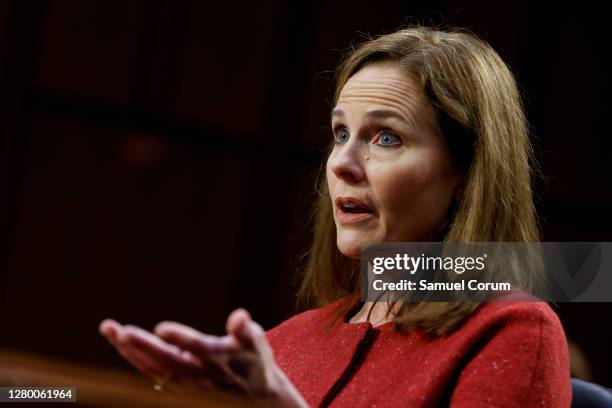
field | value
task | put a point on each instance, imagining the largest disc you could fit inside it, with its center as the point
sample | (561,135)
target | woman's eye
(342,136)
(388,139)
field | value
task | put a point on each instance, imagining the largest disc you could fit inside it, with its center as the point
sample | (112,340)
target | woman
(430,143)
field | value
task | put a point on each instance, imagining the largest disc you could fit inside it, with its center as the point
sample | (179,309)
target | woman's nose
(347,163)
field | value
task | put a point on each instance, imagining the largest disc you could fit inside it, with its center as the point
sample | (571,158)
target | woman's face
(390,175)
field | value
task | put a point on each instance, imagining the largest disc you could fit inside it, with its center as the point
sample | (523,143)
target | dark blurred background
(158,157)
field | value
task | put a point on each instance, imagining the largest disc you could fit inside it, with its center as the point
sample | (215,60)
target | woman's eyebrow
(386,114)
(337,113)
(377,114)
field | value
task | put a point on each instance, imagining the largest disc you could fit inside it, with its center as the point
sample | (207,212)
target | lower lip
(353,218)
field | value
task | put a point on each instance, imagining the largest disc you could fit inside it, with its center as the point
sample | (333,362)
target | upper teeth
(349,205)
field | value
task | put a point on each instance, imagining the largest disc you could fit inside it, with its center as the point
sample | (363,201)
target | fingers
(237,319)
(149,354)
(218,354)
(167,355)
(236,362)
(248,332)
(236,322)
(187,338)
(140,360)
(109,329)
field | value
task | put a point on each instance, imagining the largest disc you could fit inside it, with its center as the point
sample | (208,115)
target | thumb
(246,331)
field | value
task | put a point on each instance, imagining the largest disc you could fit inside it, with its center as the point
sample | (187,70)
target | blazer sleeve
(520,360)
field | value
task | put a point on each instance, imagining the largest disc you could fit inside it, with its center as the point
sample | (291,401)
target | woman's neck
(376,313)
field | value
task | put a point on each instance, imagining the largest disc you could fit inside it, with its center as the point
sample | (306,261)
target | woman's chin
(351,246)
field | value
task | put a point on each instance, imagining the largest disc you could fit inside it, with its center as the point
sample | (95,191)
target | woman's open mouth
(352,210)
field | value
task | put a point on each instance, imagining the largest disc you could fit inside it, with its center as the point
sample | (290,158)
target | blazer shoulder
(510,309)
(517,318)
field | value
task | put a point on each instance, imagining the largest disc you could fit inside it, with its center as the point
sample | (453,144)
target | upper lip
(355,202)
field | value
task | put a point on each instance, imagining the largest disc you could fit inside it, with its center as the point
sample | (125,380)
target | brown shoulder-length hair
(479,112)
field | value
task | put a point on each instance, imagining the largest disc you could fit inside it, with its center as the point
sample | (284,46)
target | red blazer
(506,354)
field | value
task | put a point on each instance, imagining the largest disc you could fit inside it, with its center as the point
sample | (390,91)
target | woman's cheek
(331,183)
(394,194)
(397,184)
(408,201)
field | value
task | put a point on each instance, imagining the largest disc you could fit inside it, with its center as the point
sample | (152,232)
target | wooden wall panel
(102,235)
(90,49)
(225,65)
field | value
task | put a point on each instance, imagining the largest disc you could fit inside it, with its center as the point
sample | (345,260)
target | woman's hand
(183,359)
